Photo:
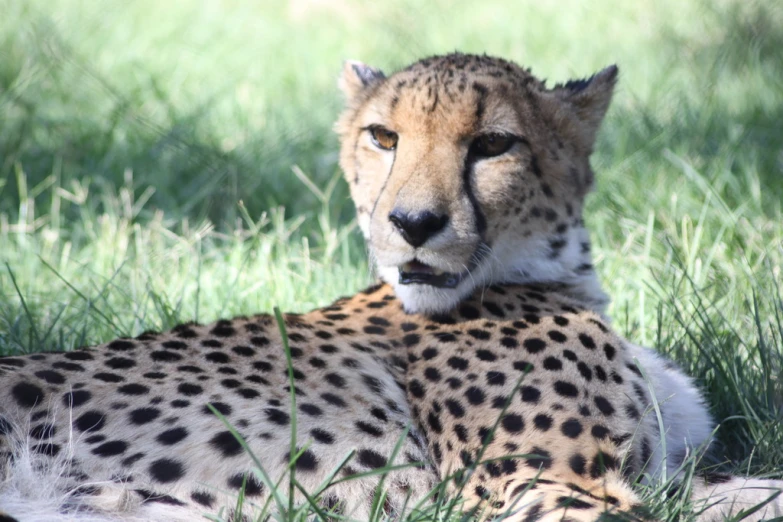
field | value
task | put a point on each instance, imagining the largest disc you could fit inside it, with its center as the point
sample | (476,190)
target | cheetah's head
(467,171)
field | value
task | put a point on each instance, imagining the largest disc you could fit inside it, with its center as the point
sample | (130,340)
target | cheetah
(482,361)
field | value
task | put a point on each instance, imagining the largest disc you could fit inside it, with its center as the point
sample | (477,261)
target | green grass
(147,151)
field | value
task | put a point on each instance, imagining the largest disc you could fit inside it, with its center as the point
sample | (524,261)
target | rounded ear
(356,77)
(589,98)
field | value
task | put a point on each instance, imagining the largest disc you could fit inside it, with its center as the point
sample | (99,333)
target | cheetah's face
(467,171)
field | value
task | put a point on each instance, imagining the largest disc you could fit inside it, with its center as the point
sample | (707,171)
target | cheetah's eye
(383,138)
(490,145)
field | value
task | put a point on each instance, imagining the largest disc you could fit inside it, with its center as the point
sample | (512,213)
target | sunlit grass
(175,161)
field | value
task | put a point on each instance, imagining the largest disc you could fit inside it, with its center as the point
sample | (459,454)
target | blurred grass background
(148,149)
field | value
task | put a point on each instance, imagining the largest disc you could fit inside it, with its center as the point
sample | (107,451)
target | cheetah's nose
(417,228)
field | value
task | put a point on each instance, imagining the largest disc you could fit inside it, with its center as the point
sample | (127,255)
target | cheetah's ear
(589,98)
(356,77)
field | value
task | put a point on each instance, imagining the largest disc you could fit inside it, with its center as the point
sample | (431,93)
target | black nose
(417,228)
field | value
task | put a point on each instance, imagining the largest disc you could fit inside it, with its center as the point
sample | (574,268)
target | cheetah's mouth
(416,272)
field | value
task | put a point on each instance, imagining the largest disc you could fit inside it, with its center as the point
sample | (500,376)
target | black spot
(322,436)
(604,406)
(120,363)
(311,409)
(542,421)
(120,345)
(566,389)
(458,363)
(133,389)
(602,462)
(571,428)
(416,388)
(150,496)
(573,503)
(69,367)
(317,362)
(47,448)
(557,336)
(509,342)
(223,408)
(371,459)
(79,356)
(276,416)
(432,374)
(259,341)
(165,356)
(369,428)
(530,394)
(496,378)
(494,309)
(203,498)
(108,377)
(587,341)
(226,443)
(429,353)
(484,355)
(217,357)
(445,337)
(111,448)
(333,399)
(513,423)
(599,432)
(250,393)
(143,415)
(155,375)
(469,312)
(223,329)
(379,414)
(305,462)
(411,339)
(610,351)
(434,422)
(534,345)
(43,431)
(262,366)
(76,398)
(172,436)
(481,335)
(130,461)
(5,427)
(189,390)
(475,395)
(336,380)
(577,463)
(253,487)
(455,408)
(539,458)
(553,364)
(90,421)
(585,371)
(166,470)
(174,345)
